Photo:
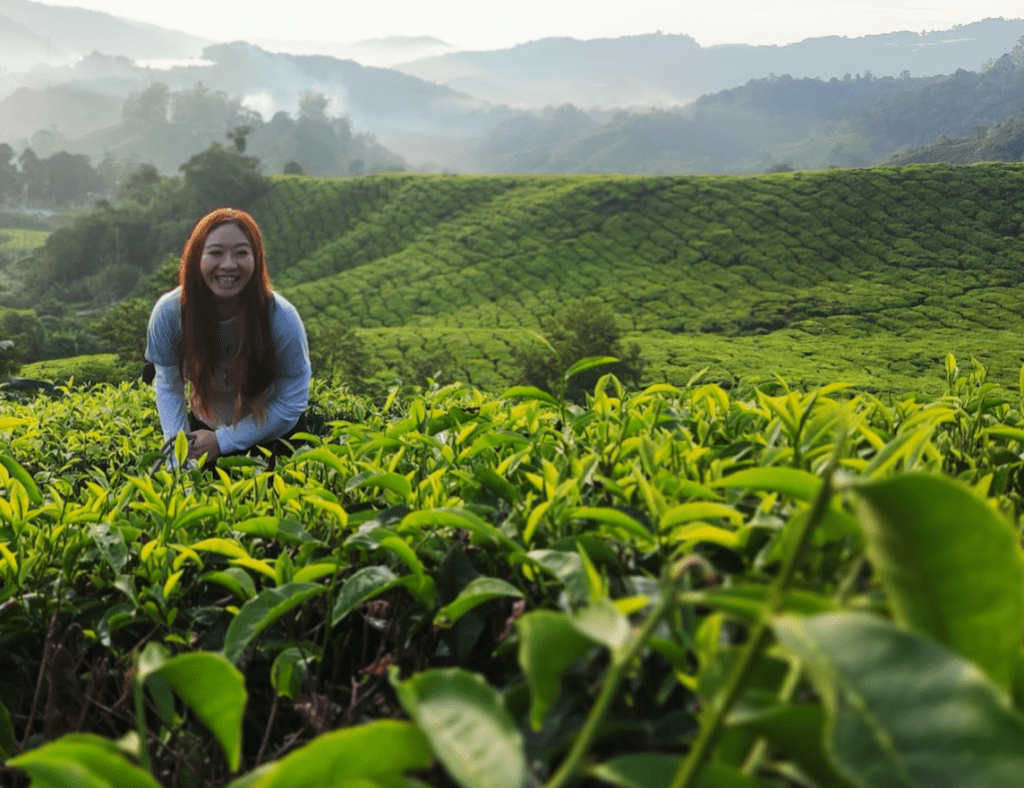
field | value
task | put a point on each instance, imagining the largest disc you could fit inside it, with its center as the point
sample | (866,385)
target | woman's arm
(170,401)
(162,337)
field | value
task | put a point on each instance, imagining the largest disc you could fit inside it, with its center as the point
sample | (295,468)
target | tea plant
(670,587)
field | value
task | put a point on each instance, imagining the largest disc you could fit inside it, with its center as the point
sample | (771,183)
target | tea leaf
(952,568)
(214,690)
(476,592)
(467,726)
(259,613)
(876,736)
(81,760)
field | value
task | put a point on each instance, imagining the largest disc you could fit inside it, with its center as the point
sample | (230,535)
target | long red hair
(252,370)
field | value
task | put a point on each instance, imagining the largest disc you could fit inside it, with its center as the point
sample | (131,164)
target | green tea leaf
(467,725)
(476,592)
(259,613)
(748,602)
(81,760)
(234,579)
(798,731)
(700,510)
(603,623)
(289,670)
(22,477)
(364,585)
(946,724)
(590,362)
(795,483)
(615,518)
(548,645)
(951,567)
(7,742)
(463,519)
(386,481)
(322,455)
(529,392)
(568,568)
(284,529)
(214,690)
(380,751)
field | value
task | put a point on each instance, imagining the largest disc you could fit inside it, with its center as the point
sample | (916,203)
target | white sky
(472,24)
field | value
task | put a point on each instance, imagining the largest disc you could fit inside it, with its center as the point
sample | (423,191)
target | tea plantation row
(880,271)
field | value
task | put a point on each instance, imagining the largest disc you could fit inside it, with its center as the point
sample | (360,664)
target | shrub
(585,329)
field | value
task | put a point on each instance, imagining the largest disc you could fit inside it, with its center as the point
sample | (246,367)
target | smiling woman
(231,359)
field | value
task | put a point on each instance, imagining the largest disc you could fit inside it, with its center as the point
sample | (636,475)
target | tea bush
(669,587)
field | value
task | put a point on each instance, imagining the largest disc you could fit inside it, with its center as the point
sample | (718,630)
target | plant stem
(789,685)
(140,722)
(616,672)
(688,772)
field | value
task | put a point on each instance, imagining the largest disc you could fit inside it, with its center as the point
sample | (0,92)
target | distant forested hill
(41,33)
(1001,142)
(667,70)
(399,120)
(806,123)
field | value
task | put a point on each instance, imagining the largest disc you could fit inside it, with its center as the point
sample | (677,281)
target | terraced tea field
(870,276)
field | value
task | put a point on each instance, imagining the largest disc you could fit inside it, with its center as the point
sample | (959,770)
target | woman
(239,346)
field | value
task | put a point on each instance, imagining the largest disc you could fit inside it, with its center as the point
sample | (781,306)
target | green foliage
(84,370)
(340,356)
(557,589)
(584,330)
(220,177)
(123,326)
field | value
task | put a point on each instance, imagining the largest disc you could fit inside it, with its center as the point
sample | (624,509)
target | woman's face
(227,263)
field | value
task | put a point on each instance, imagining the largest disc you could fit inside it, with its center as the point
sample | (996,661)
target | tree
(312,106)
(140,186)
(69,179)
(338,354)
(238,135)
(10,178)
(9,363)
(149,106)
(585,329)
(122,327)
(33,173)
(221,177)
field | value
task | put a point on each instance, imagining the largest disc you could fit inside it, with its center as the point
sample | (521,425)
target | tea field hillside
(870,276)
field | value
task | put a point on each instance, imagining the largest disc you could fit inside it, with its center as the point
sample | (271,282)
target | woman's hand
(204,442)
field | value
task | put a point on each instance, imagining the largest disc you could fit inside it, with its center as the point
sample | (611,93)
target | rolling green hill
(870,276)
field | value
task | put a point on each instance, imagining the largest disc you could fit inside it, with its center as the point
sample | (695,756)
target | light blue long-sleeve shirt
(287,396)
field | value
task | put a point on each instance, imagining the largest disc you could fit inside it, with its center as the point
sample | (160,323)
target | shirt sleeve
(170,401)
(291,385)
(162,338)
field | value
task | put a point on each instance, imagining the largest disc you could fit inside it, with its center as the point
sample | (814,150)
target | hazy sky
(471,24)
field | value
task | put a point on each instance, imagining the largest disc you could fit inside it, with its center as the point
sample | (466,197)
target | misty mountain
(376,118)
(381,52)
(41,33)
(665,70)
(804,123)
(68,110)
